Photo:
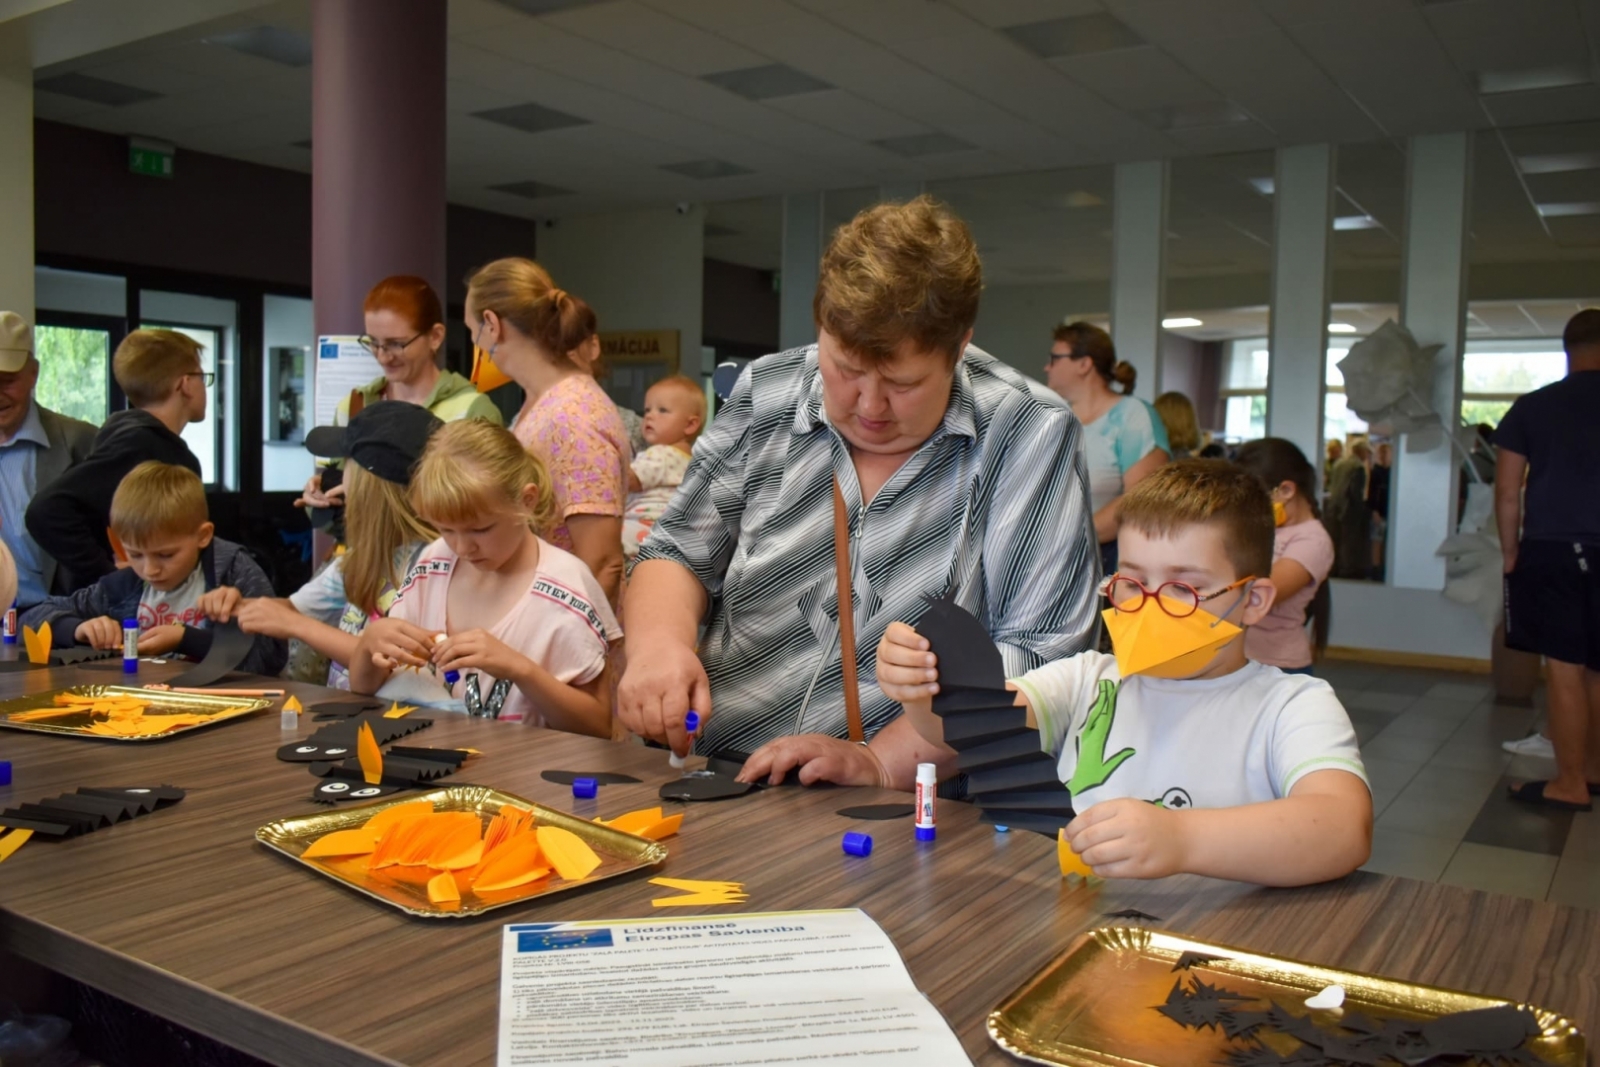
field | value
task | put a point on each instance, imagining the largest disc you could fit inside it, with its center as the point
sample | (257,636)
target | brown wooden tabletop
(183,914)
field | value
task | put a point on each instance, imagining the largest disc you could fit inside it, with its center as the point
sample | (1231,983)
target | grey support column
(378,151)
(1302,207)
(1433,306)
(16,171)
(802,253)
(1138,275)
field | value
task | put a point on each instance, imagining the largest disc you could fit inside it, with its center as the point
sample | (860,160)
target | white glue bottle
(927,798)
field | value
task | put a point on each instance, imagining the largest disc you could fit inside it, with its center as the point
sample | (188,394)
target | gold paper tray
(162,702)
(1093,1005)
(406,888)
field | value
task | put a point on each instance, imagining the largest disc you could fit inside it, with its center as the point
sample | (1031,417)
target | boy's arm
(267,655)
(1320,831)
(66,613)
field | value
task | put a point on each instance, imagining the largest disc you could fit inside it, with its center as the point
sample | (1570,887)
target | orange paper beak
(485,375)
(37,642)
(1153,643)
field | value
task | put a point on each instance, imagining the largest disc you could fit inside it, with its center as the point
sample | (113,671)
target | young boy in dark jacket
(174,563)
(160,372)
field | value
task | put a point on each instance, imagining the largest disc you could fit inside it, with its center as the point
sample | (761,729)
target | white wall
(1418,621)
(86,294)
(639,270)
(1014,321)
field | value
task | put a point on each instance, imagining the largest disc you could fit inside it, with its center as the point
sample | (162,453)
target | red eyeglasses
(1178,599)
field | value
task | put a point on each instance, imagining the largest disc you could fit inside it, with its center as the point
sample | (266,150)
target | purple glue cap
(585,788)
(926,833)
(691,722)
(5,772)
(857,844)
(451,678)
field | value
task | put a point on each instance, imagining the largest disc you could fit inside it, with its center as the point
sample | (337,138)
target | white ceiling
(1036,136)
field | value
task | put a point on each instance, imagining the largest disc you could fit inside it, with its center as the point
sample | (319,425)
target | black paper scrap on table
(229,646)
(83,654)
(1194,959)
(24,664)
(1496,1035)
(871,812)
(1133,915)
(600,777)
(336,740)
(342,709)
(705,785)
(88,809)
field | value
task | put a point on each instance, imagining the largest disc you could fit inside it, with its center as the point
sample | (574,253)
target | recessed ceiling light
(767,83)
(530,118)
(95,90)
(1490,82)
(1264,186)
(1562,211)
(706,169)
(1355,222)
(531,190)
(1340,327)
(272,43)
(1179,324)
(923,144)
(1079,35)
(1558,162)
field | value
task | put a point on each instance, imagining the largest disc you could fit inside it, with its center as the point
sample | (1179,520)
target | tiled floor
(1431,742)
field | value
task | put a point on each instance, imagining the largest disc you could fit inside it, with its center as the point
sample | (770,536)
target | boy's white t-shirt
(563,622)
(179,605)
(1222,742)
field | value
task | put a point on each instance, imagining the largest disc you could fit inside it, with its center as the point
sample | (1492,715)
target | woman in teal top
(1123,437)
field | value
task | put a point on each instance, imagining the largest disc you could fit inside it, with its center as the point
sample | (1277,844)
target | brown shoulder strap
(358,400)
(847,614)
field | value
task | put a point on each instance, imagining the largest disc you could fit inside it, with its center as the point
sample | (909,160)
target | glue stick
(130,646)
(9,635)
(927,796)
(691,723)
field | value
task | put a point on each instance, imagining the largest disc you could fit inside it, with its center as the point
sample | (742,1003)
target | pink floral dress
(575,429)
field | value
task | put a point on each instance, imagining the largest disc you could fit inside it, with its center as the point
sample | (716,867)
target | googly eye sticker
(368,791)
(137,790)
(335,751)
(306,748)
(333,787)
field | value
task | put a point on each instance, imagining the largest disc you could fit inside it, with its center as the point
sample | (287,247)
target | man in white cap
(36,446)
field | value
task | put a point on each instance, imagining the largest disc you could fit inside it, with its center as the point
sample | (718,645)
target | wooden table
(183,914)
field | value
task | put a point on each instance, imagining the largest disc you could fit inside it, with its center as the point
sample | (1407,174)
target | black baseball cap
(386,438)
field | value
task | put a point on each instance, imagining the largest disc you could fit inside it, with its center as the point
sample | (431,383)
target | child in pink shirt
(1302,556)
(518,628)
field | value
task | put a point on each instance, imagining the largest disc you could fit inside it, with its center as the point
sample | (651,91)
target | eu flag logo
(551,940)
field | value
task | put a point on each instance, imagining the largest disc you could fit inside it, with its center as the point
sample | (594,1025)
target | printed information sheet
(782,988)
(342,365)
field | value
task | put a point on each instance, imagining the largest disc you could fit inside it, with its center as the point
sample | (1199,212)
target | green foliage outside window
(73,371)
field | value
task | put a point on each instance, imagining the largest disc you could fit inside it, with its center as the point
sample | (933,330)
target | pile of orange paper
(117,716)
(412,839)
(646,822)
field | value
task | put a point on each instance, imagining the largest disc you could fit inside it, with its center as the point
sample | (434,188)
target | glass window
(1495,373)
(286,393)
(74,371)
(1338,421)
(1244,389)
(213,324)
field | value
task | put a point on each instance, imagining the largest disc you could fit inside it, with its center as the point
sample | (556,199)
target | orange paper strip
(570,854)
(370,755)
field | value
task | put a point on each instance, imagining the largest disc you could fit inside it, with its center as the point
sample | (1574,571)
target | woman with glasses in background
(404,332)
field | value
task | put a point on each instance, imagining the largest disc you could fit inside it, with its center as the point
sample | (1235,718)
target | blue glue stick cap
(691,722)
(925,833)
(857,844)
(451,678)
(585,788)
(5,772)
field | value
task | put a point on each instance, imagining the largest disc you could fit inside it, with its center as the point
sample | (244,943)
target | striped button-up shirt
(993,509)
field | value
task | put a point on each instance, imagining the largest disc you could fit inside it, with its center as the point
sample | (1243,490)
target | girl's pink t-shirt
(563,623)
(1280,639)
(575,429)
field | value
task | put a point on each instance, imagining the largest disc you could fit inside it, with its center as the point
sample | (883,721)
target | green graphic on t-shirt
(1093,768)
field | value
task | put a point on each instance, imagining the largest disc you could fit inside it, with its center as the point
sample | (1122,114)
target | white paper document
(782,988)
(341,365)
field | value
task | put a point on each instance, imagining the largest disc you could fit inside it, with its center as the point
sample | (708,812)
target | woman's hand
(312,495)
(220,604)
(393,643)
(820,759)
(907,671)
(160,640)
(479,650)
(104,632)
(659,686)
(269,617)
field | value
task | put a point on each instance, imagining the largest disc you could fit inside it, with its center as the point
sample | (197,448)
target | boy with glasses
(167,389)
(1182,755)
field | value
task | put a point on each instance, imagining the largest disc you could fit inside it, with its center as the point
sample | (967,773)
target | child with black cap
(383,538)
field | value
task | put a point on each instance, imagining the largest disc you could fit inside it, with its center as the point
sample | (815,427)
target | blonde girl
(517,627)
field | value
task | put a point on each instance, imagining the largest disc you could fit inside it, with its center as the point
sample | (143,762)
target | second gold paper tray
(72,723)
(1093,1005)
(406,888)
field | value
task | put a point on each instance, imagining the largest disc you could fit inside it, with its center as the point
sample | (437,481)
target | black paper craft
(89,809)
(731,761)
(1133,915)
(229,646)
(24,664)
(879,811)
(402,767)
(602,777)
(705,785)
(1050,824)
(342,709)
(967,654)
(1194,959)
(336,790)
(83,654)
(337,740)
(954,698)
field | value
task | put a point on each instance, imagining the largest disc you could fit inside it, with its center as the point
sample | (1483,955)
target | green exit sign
(153,160)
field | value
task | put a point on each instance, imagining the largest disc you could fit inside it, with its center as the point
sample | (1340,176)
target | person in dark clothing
(1550,538)
(160,372)
(175,566)
(1378,504)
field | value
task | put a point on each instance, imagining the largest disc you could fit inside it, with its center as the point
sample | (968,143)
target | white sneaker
(1534,744)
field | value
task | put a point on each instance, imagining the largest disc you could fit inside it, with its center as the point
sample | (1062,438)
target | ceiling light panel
(1570,209)
(767,83)
(272,43)
(531,118)
(94,90)
(1490,82)
(1077,36)
(1355,222)
(1559,162)
(707,169)
(1180,324)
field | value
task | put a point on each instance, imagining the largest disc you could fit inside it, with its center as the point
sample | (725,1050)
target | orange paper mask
(1152,642)
(485,375)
